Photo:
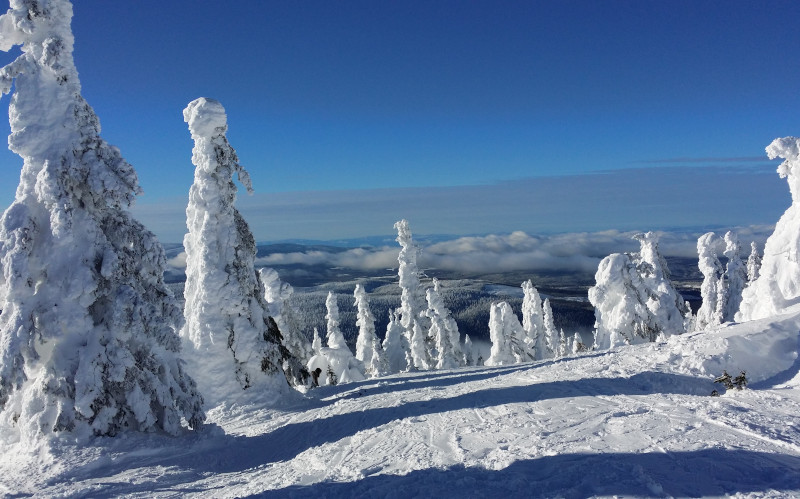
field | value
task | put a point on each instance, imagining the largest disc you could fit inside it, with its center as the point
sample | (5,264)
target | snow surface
(635,420)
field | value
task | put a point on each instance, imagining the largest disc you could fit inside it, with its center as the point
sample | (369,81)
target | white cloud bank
(579,251)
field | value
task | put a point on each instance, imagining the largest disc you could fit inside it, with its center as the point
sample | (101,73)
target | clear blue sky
(362,95)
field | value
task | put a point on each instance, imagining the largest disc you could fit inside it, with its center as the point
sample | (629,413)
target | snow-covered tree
(412,308)
(278,296)
(550,331)
(620,300)
(533,320)
(563,346)
(444,330)
(634,299)
(735,277)
(316,343)
(753,263)
(334,337)
(88,329)
(367,344)
(469,357)
(234,342)
(396,348)
(504,331)
(577,344)
(672,314)
(709,313)
(778,284)
(336,359)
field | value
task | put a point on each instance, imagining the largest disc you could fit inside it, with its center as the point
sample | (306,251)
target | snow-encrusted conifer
(334,337)
(778,283)
(577,344)
(396,348)
(620,301)
(735,277)
(469,357)
(504,329)
(671,312)
(753,263)
(634,299)
(336,359)
(411,312)
(367,344)
(533,321)
(550,331)
(316,343)
(563,347)
(708,315)
(88,329)
(278,296)
(444,330)
(235,344)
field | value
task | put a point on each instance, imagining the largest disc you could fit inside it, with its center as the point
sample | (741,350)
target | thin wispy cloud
(685,160)
(638,199)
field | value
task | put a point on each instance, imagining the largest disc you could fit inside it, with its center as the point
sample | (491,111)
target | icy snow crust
(632,421)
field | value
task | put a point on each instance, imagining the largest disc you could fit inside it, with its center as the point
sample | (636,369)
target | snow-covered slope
(629,421)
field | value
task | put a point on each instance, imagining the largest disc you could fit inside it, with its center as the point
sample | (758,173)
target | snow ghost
(88,329)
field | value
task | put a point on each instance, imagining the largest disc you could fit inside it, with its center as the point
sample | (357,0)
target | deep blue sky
(358,96)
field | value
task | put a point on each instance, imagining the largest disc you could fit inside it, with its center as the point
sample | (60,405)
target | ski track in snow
(633,421)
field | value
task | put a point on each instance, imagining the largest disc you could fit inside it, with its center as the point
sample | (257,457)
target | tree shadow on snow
(706,472)
(231,453)
(429,379)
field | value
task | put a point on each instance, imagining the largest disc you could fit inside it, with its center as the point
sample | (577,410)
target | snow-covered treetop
(206,118)
(52,127)
(649,253)
(208,123)
(788,148)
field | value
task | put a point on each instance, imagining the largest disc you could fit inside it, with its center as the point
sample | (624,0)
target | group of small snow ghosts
(421,333)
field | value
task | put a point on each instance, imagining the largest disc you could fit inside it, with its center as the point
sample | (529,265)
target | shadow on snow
(706,472)
(203,455)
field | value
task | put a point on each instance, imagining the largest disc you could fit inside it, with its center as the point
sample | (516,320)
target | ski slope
(634,421)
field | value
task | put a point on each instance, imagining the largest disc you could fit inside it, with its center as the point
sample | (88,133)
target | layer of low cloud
(518,251)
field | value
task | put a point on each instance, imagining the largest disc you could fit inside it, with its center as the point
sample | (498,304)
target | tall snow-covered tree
(316,343)
(672,314)
(550,331)
(709,313)
(778,283)
(396,347)
(412,299)
(278,296)
(444,330)
(88,329)
(753,263)
(235,345)
(334,337)
(469,356)
(735,277)
(504,331)
(367,344)
(533,320)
